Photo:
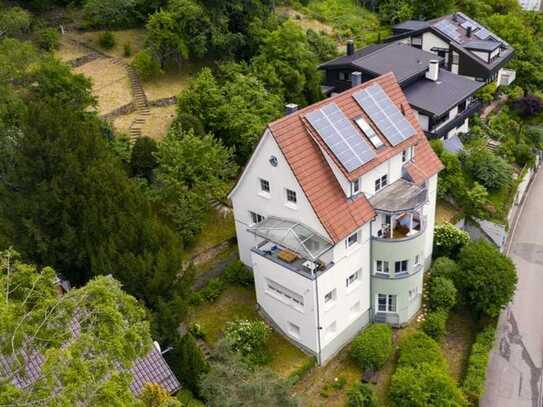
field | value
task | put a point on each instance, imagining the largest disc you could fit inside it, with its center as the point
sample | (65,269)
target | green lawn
(456,345)
(216,229)
(240,303)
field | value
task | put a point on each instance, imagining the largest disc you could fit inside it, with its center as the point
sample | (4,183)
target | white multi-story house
(334,214)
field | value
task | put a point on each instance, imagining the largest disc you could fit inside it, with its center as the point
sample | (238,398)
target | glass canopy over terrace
(293,236)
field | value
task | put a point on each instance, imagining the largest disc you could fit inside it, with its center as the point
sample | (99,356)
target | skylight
(368,131)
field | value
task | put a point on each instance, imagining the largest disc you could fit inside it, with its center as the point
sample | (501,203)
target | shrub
(435,324)
(448,240)
(196,331)
(491,171)
(146,65)
(361,395)
(142,158)
(444,267)
(185,122)
(486,278)
(474,381)
(188,362)
(48,39)
(127,49)
(213,289)
(15,21)
(487,92)
(523,155)
(107,40)
(238,273)
(110,13)
(424,385)
(301,371)
(373,347)
(249,338)
(187,399)
(418,349)
(442,293)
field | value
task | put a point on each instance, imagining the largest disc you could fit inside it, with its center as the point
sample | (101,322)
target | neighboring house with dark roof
(334,213)
(443,101)
(467,47)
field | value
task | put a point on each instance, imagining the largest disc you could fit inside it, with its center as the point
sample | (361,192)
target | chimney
(356,79)
(433,70)
(291,108)
(468,31)
(350,47)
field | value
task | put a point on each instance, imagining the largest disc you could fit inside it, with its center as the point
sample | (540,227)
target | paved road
(514,376)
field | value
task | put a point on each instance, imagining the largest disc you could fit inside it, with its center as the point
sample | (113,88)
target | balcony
(458,120)
(506,77)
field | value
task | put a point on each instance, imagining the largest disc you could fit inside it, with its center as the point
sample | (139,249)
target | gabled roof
(438,97)
(303,150)
(403,60)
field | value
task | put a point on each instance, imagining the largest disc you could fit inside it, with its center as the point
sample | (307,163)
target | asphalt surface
(514,374)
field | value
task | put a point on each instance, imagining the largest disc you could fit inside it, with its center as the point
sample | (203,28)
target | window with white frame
(291,196)
(264,186)
(256,217)
(294,329)
(417,260)
(353,278)
(381,182)
(286,295)
(351,240)
(330,296)
(407,154)
(401,266)
(386,303)
(344,76)
(381,266)
(356,186)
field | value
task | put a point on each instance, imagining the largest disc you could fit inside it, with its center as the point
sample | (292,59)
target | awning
(292,235)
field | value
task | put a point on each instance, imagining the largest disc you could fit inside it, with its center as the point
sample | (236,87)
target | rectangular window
(294,330)
(330,297)
(417,259)
(264,185)
(407,154)
(352,278)
(382,266)
(386,303)
(291,196)
(351,240)
(256,217)
(368,131)
(455,58)
(401,266)
(381,182)
(344,76)
(285,294)
(356,186)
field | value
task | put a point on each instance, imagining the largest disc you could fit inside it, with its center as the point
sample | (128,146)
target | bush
(142,158)
(249,338)
(48,39)
(448,240)
(187,399)
(238,273)
(528,105)
(491,171)
(442,293)
(107,40)
(15,21)
(486,279)
(127,49)
(435,324)
(361,395)
(444,267)
(474,382)
(523,155)
(188,362)
(185,122)
(373,347)
(424,385)
(146,65)
(418,349)
(487,92)
(213,289)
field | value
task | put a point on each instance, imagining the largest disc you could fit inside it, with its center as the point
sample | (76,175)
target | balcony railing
(440,132)
(400,230)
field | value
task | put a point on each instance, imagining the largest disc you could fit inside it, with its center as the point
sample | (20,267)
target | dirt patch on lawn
(456,345)
(69,51)
(110,83)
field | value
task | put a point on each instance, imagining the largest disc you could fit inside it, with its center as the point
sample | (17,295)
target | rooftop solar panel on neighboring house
(449,29)
(386,116)
(340,136)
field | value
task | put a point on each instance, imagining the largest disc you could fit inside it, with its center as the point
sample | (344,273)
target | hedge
(372,348)
(418,349)
(435,324)
(474,382)
(361,395)
(442,293)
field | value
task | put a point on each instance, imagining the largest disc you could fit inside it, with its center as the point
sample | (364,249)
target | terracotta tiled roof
(338,214)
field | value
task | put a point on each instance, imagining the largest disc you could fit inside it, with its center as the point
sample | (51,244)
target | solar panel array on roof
(470,24)
(340,136)
(449,29)
(386,116)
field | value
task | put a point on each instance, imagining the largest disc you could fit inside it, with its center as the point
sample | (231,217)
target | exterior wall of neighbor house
(430,41)
(482,55)
(424,120)
(247,196)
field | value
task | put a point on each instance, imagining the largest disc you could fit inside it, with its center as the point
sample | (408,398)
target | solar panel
(340,136)
(482,34)
(470,24)
(449,29)
(386,116)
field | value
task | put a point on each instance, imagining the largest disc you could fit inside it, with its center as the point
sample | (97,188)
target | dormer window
(355,186)
(407,154)
(368,131)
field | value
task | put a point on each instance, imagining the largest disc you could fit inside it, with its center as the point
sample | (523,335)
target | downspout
(319,359)
(371,275)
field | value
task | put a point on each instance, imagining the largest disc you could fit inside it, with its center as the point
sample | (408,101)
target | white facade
(320,312)
(530,5)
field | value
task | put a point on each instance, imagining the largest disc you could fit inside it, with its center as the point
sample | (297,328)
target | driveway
(514,375)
